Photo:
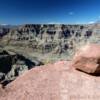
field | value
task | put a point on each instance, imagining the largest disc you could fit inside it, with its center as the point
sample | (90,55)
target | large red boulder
(87,59)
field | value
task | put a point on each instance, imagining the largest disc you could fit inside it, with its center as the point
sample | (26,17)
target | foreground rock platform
(87,59)
(57,81)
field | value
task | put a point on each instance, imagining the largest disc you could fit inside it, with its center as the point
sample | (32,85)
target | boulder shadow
(91,74)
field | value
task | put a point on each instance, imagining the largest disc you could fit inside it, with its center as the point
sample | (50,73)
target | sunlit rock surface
(57,81)
(87,59)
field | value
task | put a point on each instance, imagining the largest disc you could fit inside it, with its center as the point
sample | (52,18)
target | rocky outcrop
(87,59)
(57,81)
(11,66)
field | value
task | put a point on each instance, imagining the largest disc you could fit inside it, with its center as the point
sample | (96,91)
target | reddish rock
(2,91)
(53,82)
(87,59)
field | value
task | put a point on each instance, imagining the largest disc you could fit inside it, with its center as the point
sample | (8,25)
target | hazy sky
(49,11)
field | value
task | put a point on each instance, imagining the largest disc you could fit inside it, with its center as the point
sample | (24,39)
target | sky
(49,11)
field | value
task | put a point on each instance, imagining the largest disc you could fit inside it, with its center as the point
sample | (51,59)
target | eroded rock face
(3,31)
(36,35)
(11,66)
(87,59)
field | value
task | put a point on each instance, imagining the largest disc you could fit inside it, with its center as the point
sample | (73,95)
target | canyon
(34,56)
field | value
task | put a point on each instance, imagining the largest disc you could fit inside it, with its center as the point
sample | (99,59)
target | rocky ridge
(58,81)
